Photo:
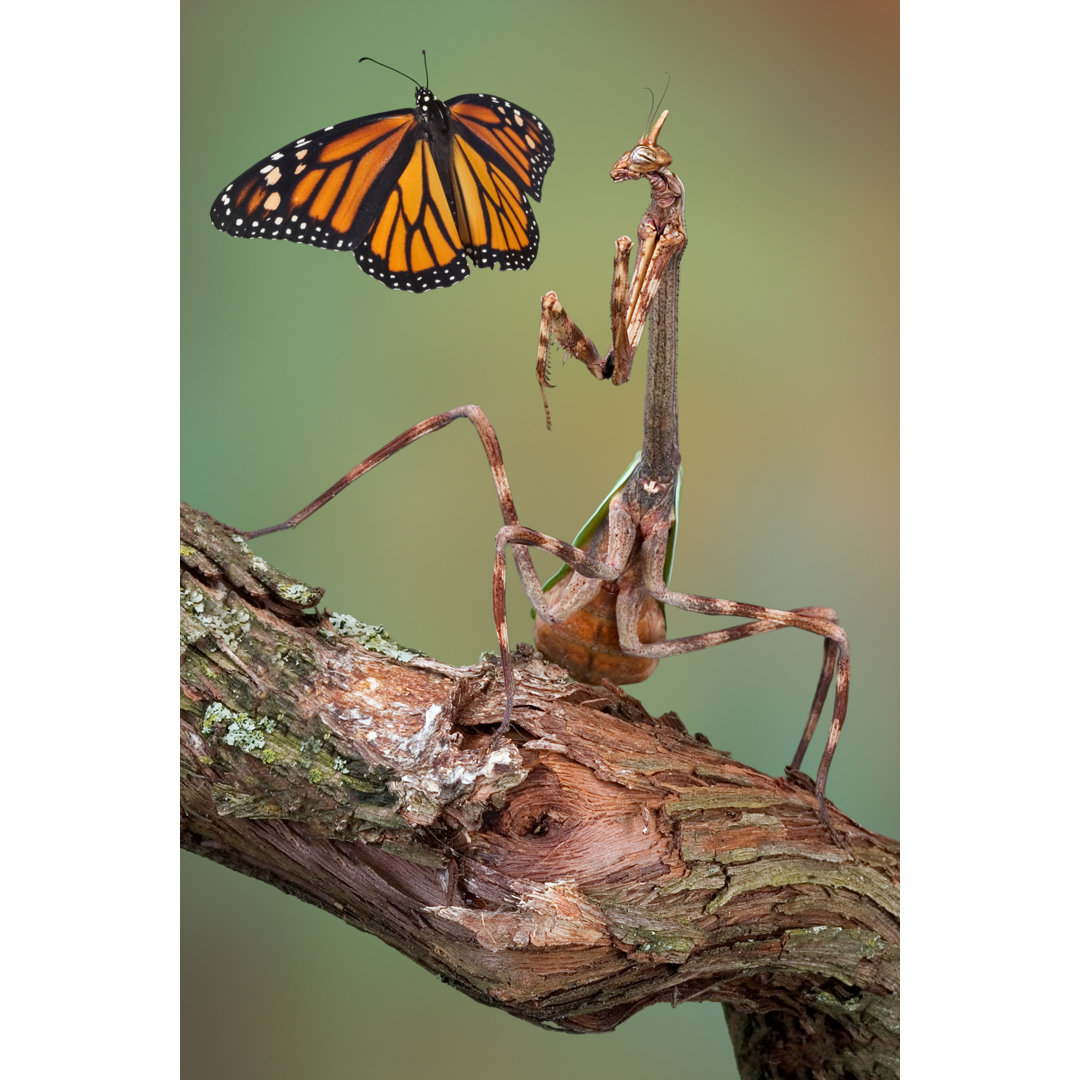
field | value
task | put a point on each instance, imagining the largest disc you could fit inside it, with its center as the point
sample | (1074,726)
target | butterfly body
(413,193)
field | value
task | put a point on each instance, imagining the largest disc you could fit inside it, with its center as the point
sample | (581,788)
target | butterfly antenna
(427,79)
(389,68)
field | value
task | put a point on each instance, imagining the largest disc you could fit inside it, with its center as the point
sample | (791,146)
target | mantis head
(647,157)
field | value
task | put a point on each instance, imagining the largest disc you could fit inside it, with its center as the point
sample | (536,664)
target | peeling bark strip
(597,861)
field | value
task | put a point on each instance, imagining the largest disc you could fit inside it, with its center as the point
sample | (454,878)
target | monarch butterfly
(410,192)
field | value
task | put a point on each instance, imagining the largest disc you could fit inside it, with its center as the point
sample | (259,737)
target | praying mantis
(602,616)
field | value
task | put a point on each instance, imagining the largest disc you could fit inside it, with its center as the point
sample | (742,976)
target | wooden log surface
(593,861)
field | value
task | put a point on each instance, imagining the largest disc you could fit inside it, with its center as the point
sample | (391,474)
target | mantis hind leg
(836,663)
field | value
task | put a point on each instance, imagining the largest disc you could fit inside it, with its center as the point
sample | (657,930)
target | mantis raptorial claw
(661,239)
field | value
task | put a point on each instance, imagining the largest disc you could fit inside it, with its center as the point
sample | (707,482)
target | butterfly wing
(378,186)
(414,242)
(499,154)
(325,188)
(508,136)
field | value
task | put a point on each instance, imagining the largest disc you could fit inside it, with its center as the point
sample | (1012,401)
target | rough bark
(594,861)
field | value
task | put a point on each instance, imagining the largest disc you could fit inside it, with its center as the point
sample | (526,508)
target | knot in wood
(565,823)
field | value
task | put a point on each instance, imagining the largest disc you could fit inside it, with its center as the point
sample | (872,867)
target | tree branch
(596,861)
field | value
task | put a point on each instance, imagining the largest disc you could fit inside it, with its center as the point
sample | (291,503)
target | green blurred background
(784,128)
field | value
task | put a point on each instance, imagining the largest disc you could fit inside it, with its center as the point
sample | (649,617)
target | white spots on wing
(299,169)
(278,221)
(303,153)
(273,177)
(273,201)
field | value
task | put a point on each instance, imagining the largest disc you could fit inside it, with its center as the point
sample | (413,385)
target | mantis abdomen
(586,643)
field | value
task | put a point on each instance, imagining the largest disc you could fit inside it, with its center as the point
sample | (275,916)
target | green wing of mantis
(588,530)
(669,557)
